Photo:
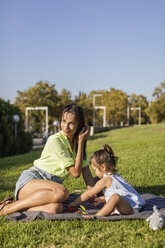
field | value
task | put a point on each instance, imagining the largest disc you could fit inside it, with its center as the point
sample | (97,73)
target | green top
(57,155)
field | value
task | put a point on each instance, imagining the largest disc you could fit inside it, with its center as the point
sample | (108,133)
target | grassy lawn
(141,152)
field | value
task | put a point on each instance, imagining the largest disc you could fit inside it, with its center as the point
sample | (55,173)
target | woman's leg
(53,208)
(116,201)
(36,193)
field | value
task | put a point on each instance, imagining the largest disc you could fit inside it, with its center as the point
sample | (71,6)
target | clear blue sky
(82,45)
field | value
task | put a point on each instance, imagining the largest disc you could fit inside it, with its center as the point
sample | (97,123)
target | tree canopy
(8,144)
(157,106)
(116,102)
(42,94)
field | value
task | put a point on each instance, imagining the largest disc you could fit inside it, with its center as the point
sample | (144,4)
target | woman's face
(69,125)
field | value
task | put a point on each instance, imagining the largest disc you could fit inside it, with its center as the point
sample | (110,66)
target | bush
(1,139)
(8,144)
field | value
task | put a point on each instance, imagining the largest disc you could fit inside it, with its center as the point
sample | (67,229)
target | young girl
(119,196)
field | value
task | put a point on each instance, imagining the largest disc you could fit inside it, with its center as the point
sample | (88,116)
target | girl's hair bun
(108,149)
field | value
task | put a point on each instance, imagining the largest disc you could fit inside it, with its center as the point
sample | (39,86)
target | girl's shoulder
(107,180)
(110,175)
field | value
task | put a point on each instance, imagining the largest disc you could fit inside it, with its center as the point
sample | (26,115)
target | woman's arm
(75,170)
(99,186)
(88,177)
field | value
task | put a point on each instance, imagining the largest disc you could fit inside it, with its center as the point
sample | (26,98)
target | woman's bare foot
(3,203)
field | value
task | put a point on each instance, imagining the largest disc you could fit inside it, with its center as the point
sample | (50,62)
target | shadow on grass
(157,189)
(97,137)
(7,188)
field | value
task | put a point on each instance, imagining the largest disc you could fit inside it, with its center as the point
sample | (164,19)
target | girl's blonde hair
(105,156)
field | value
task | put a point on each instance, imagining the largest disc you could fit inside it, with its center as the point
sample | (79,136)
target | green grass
(141,152)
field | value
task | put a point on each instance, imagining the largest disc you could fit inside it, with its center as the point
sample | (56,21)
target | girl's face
(99,171)
(69,125)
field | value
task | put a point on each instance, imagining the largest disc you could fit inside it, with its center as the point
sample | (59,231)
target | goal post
(45,108)
(128,114)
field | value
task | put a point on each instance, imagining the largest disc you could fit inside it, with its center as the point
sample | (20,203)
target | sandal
(7,200)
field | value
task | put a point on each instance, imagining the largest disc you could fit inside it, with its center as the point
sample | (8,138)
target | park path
(37,143)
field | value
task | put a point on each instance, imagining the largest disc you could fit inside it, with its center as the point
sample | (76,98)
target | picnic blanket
(146,211)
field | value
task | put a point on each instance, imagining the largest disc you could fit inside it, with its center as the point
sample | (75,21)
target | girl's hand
(95,201)
(84,133)
(88,216)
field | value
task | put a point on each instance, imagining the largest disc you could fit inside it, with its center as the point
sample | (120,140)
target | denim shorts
(34,173)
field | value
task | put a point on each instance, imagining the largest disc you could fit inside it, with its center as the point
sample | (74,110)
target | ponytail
(106,156)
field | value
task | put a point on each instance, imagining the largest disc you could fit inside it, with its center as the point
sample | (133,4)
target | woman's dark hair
(105,156)
(79,115)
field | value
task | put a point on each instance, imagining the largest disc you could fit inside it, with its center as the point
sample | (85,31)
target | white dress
(121,187)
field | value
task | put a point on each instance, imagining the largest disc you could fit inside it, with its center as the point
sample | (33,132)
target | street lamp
(56,125)
(98,107)
(138,108)
(37,108)
(16,119)
(128,109)
(94,95)
(132,108)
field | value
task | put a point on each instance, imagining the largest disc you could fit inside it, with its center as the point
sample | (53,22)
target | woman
(39,188)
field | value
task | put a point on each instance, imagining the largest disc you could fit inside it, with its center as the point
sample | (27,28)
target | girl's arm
(99,186)
(75,170)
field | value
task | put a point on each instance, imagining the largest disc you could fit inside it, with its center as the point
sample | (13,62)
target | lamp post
(104,115)
(128,109)
(94,95)
(37,108)
(16,119)
(56,125)
(98,107)
(138,108)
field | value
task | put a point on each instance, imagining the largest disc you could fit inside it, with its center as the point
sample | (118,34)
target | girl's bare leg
(116,201)
(36,193)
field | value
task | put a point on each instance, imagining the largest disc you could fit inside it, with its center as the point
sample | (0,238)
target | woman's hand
(84,133)
(75,170)
(71,204)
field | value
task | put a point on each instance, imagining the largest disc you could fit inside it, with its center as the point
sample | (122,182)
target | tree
(115,102)
(8,144)
(86,103)
(64,99)
(42,94)
(157,107)
(138,101)
(117,107)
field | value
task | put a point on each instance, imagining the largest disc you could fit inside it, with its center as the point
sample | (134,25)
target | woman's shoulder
(54,139)
(57,136)
(57,141)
